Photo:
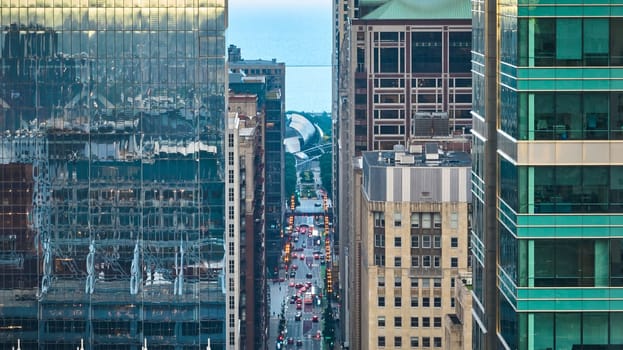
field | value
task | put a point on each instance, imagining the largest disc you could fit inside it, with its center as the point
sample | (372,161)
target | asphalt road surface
(301,333)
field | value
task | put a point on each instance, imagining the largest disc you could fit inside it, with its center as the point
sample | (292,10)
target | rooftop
(428,155)
(258,62)
(421,9)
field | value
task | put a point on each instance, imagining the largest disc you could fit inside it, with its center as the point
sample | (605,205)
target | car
(318,335)
(303,289)
(316,256)
(295,267)
(315,318)
(291,284)
(302,257)
(296,239)
(308,284)
(292,274)
(299,343)
(299,306)
(298,315)
(317,204)
(298,285)
(308,275)
(290,340)
(294,256)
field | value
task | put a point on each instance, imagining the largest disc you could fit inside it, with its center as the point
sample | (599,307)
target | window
(454,262)
(426,261)
(426,283)
(379,240)
(437,282)
(425,302)
(415,261)
(414,282)
(397,261)
(381,301)
(398,342)
(437,322)
(426,52)
(381,341)
(437,301)
(397,242)
(452,282)
(454,220)
(397,301)
(437,220)
(436,241)
(426,241)
(398,321)
(454,242)
(379,219)
(426,220)
(415,241)
(397,282)
(415,342)
(426,322)
(397,219)
(460,45)
(414,301)
(381,281)
(437,342)
(426,342)
(380,321)
(452,302)
(379,259)
(415,322)
(436,261)
(415,220)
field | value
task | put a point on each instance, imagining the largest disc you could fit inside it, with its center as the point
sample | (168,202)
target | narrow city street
(298,292)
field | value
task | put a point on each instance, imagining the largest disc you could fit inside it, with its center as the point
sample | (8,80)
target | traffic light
(327,249)
(329,281)
(286,256)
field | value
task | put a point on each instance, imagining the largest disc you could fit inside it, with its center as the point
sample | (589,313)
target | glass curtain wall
(112,117)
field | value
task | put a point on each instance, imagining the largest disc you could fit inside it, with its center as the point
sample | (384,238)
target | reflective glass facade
(111,174)
(558,204)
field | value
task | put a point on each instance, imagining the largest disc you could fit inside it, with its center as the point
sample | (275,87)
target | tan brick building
(410,246)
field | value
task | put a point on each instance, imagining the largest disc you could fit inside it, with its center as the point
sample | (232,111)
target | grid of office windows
(563,189)
(114,112)
(547,42)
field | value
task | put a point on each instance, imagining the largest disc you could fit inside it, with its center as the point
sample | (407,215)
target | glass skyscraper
(112,175)
(547,174)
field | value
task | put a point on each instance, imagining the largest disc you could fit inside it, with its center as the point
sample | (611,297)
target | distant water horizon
(301,40)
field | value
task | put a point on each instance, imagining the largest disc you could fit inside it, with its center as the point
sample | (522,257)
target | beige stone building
(410,246)
(458,326)
(245,216)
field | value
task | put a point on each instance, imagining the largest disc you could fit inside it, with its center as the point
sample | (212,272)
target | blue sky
(295,32)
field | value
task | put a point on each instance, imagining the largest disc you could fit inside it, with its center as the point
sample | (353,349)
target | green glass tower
(547,174)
